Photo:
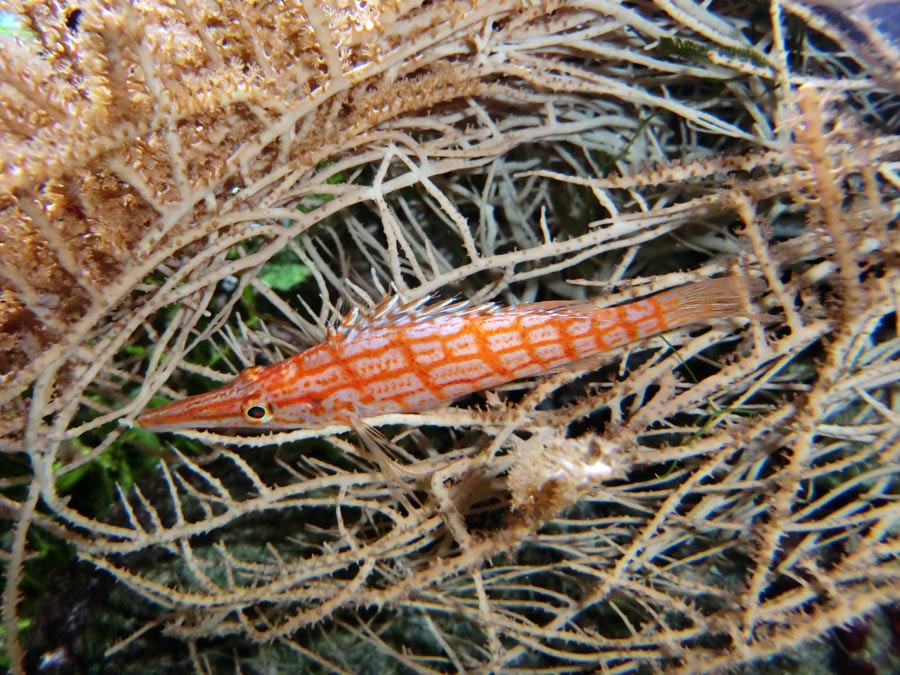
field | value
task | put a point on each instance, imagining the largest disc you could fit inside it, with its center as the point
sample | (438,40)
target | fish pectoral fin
(380,448)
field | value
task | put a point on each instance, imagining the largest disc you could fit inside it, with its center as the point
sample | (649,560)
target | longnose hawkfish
(415,356)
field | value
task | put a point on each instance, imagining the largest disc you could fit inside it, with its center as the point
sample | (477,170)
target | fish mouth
(203,411)
(162,419)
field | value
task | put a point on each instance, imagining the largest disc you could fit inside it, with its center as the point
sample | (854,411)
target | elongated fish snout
(195,412)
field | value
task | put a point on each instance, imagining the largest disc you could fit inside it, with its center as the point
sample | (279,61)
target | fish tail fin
(718,298)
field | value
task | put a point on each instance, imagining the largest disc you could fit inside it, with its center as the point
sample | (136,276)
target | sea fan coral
(191,188)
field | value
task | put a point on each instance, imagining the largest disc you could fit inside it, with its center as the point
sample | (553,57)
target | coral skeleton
(192,188)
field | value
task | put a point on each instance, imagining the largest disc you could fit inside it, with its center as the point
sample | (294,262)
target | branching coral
(195,187)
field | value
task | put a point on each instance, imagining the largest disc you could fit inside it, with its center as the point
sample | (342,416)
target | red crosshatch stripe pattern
(413,358)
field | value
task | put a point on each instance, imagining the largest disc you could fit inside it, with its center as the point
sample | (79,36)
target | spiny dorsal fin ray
(394,311)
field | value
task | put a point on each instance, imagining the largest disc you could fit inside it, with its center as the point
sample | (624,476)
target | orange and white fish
(410,357)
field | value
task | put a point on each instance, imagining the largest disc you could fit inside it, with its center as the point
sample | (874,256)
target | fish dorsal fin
(395,311)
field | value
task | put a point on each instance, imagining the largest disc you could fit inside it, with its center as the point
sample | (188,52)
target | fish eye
(257,411)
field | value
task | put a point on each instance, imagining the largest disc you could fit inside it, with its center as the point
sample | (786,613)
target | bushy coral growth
(194,187)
